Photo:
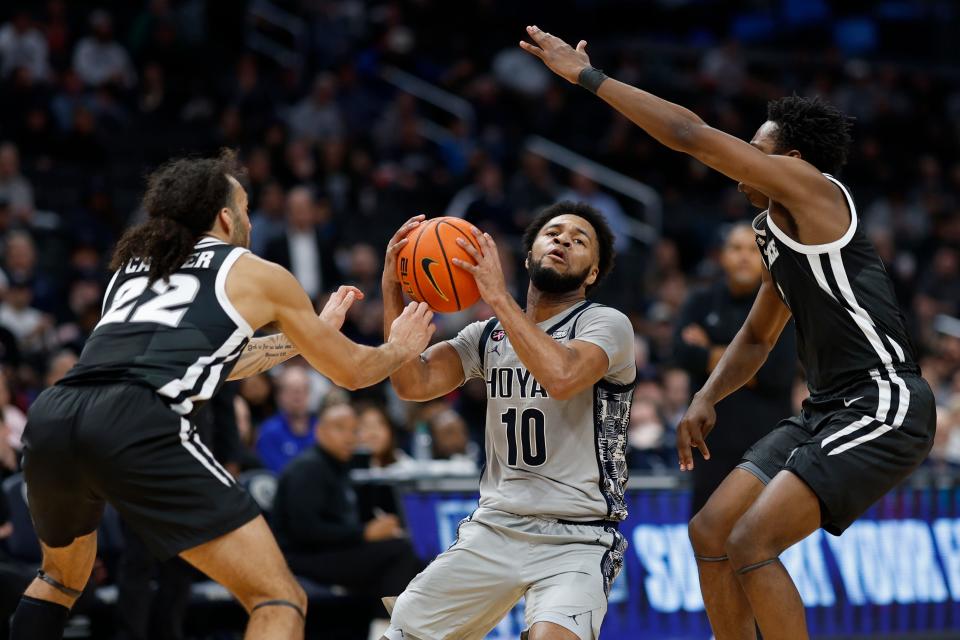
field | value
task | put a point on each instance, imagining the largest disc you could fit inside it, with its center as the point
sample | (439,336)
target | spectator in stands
(268,218)
(285,435)
(318,523)
(9,463)
(647,445)
(451,438)
(484,202)
(58,365)
(13,418)
(532,188)
(377,436)
(99,59)
(259,394)
(676,395)
(20,264)
(584,189)
(317,117)
(246,432)
(14,188)
(32,328)
(708,322)
(22,46)
(306,248)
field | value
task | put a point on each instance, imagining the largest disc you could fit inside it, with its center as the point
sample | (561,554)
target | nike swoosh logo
(426,263)
(847,403)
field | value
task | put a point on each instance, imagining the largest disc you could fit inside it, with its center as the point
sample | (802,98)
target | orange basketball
(426,270)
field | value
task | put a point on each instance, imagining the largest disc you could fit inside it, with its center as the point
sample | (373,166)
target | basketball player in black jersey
(869,420)
(178,319)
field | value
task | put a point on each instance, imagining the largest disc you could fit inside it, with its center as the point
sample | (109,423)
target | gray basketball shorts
(564,570)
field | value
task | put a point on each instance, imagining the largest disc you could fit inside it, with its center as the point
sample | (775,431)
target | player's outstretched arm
(786,179)
(264,292)
(738,365)
(438,370)
(266,352)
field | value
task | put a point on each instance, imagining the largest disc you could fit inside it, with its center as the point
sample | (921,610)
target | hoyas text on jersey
(505,382)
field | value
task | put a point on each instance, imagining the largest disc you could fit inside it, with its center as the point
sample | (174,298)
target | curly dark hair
(182,201)
(588,213)
(815,128)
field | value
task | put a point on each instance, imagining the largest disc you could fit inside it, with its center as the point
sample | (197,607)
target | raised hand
(561,58)
(397,242)
(412,329)
(697,422)
(487,271)
(340,301)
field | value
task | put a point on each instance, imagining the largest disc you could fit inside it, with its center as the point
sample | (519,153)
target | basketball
(425,265)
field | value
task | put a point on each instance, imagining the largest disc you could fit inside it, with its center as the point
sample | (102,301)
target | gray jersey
(554,458)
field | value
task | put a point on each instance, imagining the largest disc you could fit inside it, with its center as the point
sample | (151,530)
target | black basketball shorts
(851,448)
(87,445)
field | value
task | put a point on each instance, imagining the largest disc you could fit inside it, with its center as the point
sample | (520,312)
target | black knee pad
(280,603)
(59,586)
(755,566)
(710,558)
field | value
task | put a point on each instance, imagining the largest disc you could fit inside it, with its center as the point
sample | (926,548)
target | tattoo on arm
(263,353)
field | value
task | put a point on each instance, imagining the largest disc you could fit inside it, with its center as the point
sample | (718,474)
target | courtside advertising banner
(895,571)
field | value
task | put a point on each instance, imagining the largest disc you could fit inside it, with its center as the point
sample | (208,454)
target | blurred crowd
(337,156)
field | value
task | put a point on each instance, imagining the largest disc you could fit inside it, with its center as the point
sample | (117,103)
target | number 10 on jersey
(532,436)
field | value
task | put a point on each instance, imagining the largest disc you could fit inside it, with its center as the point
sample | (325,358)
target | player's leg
(786,512)
(248,562)
(728,609)
(727,606)
(852,460)
(570,580)
(550,631)
(65,513)
(45,606)
(466,590)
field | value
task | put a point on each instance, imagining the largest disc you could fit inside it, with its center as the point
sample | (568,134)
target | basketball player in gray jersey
(560,377)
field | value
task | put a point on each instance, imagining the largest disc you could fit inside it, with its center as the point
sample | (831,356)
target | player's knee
(286,589)
(747,544)
(706,536)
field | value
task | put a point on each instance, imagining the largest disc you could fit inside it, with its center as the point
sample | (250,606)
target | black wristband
(591,79)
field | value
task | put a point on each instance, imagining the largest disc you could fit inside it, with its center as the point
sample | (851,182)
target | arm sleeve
(467,344)
(691,358)
(310,515)
(611,331)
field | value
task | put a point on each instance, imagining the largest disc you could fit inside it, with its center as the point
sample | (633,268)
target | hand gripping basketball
(425,264)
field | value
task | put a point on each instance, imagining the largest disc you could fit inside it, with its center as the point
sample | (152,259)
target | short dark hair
(182,201)
(815,128)
(588,213)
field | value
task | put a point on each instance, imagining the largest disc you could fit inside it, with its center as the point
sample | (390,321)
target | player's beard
(547,280)
(240,234)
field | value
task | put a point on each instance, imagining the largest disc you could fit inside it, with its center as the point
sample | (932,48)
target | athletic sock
(37,619)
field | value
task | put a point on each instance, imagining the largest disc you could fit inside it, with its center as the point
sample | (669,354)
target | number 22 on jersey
(167,307)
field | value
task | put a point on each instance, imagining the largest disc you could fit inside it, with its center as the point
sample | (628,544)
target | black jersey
(849,326)
(180,336)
